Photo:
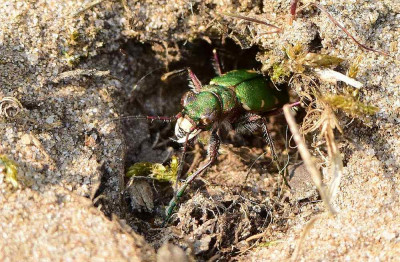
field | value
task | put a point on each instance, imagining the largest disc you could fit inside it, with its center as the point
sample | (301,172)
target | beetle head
(200,112)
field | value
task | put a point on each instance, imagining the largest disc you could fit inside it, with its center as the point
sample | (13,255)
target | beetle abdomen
(253,91)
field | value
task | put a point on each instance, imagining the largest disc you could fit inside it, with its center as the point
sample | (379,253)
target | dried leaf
(320,60)
(350,105)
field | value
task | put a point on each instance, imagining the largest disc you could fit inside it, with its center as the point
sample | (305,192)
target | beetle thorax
(200,112)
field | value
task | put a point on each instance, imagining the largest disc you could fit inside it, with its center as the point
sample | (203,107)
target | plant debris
(8,169)
(160,172)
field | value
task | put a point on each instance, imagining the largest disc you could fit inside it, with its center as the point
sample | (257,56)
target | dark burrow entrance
(237,198)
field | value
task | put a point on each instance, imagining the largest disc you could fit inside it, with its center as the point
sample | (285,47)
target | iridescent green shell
(227,97)
(205,104)
(253,91)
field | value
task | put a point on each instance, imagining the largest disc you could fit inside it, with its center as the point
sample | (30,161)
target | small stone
(26,139)
(202,245)
(50,119)
(169,252)
(389,236)
(300,181)
(140,194)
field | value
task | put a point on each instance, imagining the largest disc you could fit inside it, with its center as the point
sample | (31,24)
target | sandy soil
(76,66)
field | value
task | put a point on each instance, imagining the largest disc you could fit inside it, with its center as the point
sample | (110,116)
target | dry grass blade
(335,159)
(307,158)
(278,30)
(87,7)
(75,74)
(323,118)
(307,229)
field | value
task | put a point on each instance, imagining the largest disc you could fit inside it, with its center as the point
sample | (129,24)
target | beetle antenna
(165,77)
(149,118)
(143,77)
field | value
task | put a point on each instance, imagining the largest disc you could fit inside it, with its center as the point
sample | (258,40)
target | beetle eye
(187,98)
(207,120)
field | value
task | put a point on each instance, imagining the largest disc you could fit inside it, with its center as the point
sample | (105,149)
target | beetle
(239,98)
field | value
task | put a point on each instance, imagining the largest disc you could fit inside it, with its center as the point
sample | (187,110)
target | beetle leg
(181,162)
(268,138)
(251,122)
(217,63)
(213,147)
(195,81)
(293,7)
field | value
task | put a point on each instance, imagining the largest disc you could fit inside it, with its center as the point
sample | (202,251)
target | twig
(307,158)
(278,30)
(87,7)
(293,7)
(197,156)
(256,236)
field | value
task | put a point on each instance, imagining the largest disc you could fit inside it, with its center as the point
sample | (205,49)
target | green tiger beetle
(239,98)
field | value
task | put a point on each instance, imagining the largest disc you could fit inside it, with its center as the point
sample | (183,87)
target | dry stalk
(307,158)
(85,8)
(326,120)
(335,159)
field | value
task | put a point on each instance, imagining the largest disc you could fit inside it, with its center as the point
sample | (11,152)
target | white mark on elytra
(246,107)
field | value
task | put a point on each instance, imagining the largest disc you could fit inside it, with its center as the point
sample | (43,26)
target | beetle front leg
(217,63)
(293,7)
(195,81)
(213,147)
(268,138)
(253,121)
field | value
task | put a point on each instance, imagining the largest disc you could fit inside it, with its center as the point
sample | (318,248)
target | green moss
(320,60)
(354,67)
(74,38)
(270,243)
(9,169)
(279,72)
(163,173)
(72,60)
(350,105)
